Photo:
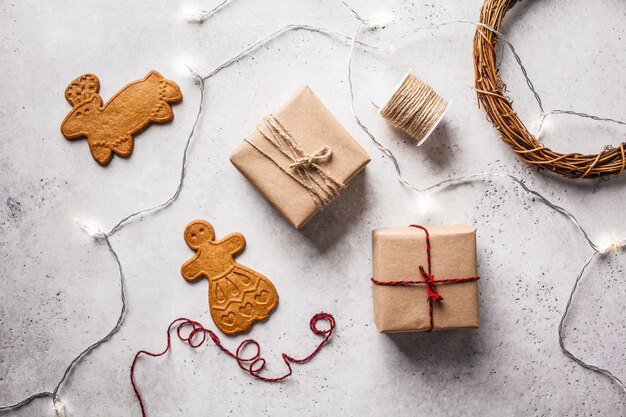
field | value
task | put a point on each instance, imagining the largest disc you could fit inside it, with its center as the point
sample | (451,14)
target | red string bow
(429,280)
(433,295)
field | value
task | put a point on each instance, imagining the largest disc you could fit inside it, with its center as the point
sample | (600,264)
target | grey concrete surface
(59,289)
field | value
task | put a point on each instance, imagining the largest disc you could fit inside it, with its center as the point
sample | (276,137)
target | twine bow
(307,162)
(429,280)
(304,168)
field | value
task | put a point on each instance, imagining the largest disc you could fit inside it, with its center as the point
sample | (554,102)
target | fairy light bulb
(611,243)
(540,126)
(91,229)
(424,203)
(380,19)
(189,13)
(59,408)
(183,65)
(617,243)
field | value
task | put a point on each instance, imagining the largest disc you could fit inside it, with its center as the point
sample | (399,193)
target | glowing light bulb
(380,19)
(611,243)
(90,228)
(183,65)
(540,126)
(189,13)
(59,408)
(424,203)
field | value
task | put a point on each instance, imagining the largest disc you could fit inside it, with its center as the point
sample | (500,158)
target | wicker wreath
(490,90)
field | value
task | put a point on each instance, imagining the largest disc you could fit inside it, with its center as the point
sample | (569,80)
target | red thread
(429,280)
(253,364)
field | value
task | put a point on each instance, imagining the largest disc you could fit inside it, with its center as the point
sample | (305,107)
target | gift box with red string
(425,278)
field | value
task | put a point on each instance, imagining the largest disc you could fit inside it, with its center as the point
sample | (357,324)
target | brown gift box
(313,127)
(397,255)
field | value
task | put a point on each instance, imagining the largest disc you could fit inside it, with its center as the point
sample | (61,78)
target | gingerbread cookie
(110,128)
(238,295)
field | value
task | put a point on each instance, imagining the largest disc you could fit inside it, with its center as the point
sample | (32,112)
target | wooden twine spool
(415,108)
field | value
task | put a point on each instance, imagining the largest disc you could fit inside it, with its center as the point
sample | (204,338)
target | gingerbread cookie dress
(238,295)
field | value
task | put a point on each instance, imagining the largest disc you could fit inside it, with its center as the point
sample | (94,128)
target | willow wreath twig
(490,91)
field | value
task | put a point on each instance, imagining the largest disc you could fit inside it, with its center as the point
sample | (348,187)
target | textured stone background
(59,289)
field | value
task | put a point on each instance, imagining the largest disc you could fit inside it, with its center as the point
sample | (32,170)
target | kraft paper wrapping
(313,127)
(397,255)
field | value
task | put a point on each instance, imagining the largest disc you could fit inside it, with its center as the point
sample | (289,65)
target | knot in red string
(431,291)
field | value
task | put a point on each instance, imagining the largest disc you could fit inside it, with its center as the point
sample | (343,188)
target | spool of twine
(415,108)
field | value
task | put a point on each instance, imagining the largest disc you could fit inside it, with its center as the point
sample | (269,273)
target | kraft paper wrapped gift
(397,255)
(300,157)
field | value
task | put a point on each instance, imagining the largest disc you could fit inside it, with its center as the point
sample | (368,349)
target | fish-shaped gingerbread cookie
(110,128)
(238,295)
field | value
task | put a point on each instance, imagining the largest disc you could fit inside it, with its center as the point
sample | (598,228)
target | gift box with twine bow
(425,278)
(300,158)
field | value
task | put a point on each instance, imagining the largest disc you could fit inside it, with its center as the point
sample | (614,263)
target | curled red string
(194,334)
(429,280)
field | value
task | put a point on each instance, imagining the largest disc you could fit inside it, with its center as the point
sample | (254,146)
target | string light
(425,204)
(565,350)
(611,243)
(182,64)
(376,21)
(59,407)
(91,229)
(380,19)
(543,117)
(188,13)
(541,123)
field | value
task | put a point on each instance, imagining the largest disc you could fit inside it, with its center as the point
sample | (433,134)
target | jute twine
(415,108)
(304,169)
(490,90)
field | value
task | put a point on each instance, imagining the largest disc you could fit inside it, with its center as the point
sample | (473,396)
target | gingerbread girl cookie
(238,295)
(110,128)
